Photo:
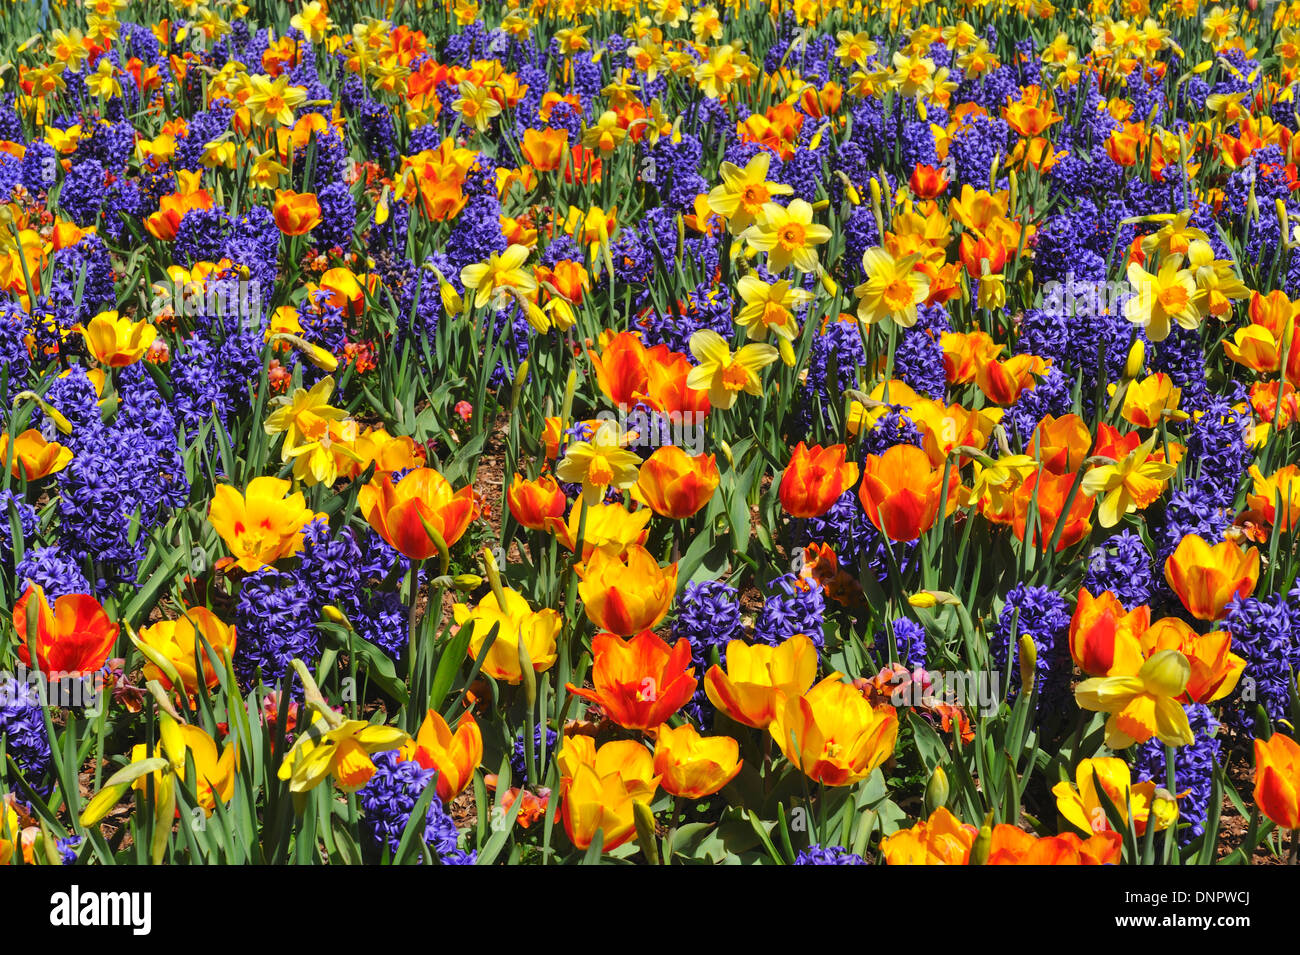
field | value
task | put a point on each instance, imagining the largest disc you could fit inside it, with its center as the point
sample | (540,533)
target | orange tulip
(1277,780)
(694,766)
(1147,401)
(759,678)
(1215,668)
(116,341)
(34,457)
(424,497)
(176,640)
(1011,845)
(974,252)
(346,290)
(1004,381)
(567,278)
(641,682)
(296,213)
(833,735)
(666,389)
(1105,640)
(944,428)
(535,503)
(1061,443)
(943,839)
(621,368)
(815,479)
(608,526)
(900,492)
(73,638)
(1283,486)
(545,149)
(626,595)
(927,182)
(1051,492)
(172,208)
(964,353)
(675,484)
(600,787)
(454,755)
(1206,578)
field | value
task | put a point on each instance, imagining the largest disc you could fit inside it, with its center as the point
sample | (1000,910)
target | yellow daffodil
(788,235)
(723,374)
(1082,806)
(599,463)
(1164,297)
(476,106)
(312,21)
(744,192)
(273,100)
(339,748)
(893,288)
(492,280)
(770,307)
(1144,704)
(1128,485)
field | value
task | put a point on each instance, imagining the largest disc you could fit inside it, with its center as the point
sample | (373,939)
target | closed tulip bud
(644,818)
(318,356)
(334,615)
(452,302)
(467,583)
(936,790)
(979,851)
(1028,660)
(528,675)
(1137,356)
(521,378)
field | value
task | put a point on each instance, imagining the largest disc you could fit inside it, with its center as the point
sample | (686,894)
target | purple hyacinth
(1193,770)
(388,800)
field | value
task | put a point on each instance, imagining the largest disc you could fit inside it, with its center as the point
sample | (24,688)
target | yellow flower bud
(1137,356)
